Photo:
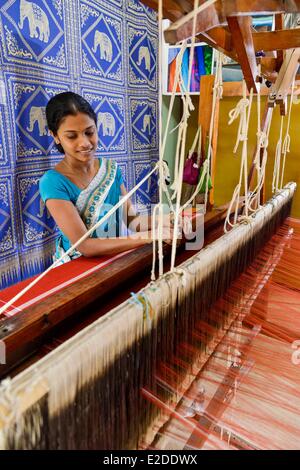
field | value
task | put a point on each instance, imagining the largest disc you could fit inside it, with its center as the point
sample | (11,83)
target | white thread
(187,103)
(277,161)
(287,139)
(240,111)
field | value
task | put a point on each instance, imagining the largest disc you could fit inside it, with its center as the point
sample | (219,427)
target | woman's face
(78,136)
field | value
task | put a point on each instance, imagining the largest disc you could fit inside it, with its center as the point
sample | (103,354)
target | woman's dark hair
(63,105)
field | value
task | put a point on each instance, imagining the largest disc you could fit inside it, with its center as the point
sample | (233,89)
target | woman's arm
(138,222)
(68,220)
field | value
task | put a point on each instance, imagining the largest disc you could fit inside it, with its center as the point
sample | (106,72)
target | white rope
(183,124)
(154,217)
(172,100)
(277,161)
(255,196)
(217,93)
(260,158)
(240,111)
(161,168)
(157,214)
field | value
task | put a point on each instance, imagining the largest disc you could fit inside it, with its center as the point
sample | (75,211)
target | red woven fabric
(55,280)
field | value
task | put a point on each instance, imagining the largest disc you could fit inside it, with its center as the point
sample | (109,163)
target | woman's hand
(167,236)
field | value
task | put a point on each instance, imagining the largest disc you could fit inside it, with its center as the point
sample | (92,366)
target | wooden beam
(279,25)
(240,28)
(268,68)
(284,80)
(231,89)
(220,39)
(26,331)
(251,7)
(172,9)
(276,40)
(234,7)
(209,15)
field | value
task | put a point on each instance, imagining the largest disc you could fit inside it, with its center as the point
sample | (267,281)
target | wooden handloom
(226,25)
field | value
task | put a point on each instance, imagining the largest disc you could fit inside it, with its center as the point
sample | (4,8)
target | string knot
(238,110)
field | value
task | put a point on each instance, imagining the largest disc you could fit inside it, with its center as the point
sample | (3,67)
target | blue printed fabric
(106,51)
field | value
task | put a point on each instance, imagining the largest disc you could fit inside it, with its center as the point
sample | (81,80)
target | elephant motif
(147,123)
(42,208)
(144,54)
(37,19)
(38,114)
(105,45)
(108,123)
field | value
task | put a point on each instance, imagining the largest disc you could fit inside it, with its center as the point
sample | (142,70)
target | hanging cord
(240,111)
(157,213)
(158,209)
(276,169)
(217,94)
(255,196)
(287,138)
(177,79)
(188,107)
(262,143)
(182,150)
(160,168)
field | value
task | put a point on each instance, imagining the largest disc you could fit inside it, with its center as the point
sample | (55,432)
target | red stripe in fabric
(57,279)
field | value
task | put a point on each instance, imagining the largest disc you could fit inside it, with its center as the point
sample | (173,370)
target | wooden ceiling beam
(209,15)
(232,7)
(252,7)
(276,40)
(171,9)
(220,39)
(240,28)
(279,25)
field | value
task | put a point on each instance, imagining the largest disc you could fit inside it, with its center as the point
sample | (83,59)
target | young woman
(82,188)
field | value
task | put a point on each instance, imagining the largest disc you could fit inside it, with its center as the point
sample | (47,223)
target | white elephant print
(42,208)
(147,123)
(38,114)
(37,19)
(105,45)
(107,121)
(144,54)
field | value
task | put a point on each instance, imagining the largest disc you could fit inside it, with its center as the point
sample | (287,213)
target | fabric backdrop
(103,50)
